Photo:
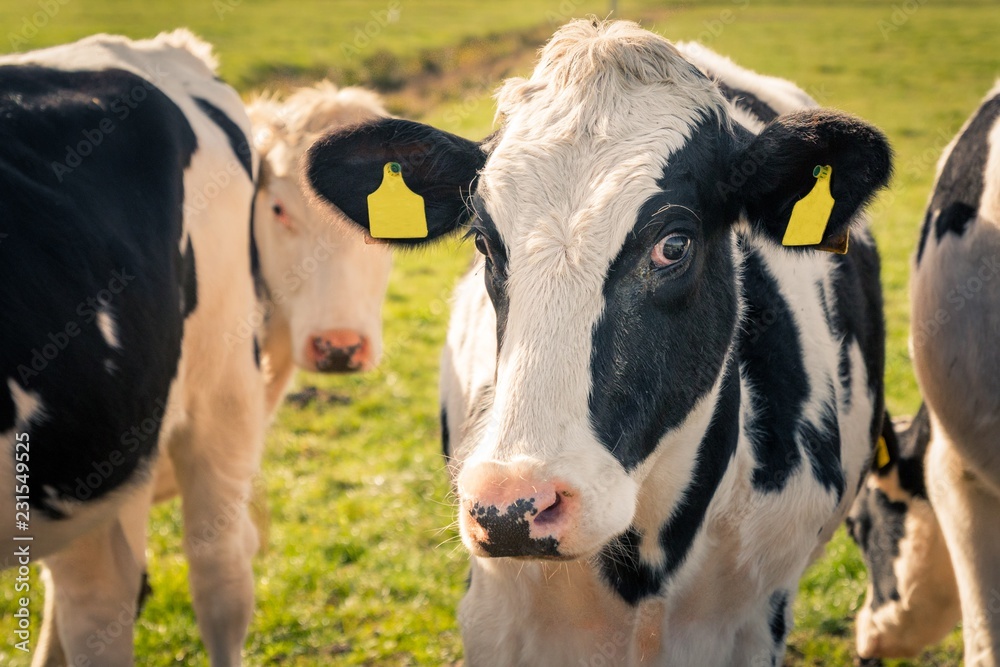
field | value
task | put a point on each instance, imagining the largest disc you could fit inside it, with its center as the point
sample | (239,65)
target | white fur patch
(108,328)
(27,405)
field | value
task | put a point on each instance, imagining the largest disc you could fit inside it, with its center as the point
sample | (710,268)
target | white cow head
(605,207)
(325,283)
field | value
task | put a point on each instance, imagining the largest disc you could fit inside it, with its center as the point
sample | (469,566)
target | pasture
(362,565)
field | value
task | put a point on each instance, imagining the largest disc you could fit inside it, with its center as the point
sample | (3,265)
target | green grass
(361,565)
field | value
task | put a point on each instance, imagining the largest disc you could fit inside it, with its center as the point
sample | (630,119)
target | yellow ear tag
(811,213)
(881,453)
(395,211)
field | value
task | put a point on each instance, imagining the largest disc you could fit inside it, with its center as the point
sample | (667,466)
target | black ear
(777,170)
(347,165)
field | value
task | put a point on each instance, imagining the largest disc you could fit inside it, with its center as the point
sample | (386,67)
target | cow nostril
(336,359)
(551,513)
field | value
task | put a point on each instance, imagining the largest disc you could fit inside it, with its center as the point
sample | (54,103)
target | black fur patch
(91,185)
(959,188)
(237,139)
(878,526)
(777,622)
(822,446)
(189,276)
(663,334)
(621,564)
(771,359)
(445,439)
(749,102)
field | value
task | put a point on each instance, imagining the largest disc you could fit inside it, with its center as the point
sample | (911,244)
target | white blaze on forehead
(108,328)
(583,143)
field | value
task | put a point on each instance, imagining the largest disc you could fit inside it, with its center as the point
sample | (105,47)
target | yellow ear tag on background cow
(881,453)
(395,211)
(811,213)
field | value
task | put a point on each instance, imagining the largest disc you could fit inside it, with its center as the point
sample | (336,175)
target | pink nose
(339,351)
(510,512)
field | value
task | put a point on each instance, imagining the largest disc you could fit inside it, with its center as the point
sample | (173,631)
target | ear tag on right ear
(881,453)
(395,211)
(811,213)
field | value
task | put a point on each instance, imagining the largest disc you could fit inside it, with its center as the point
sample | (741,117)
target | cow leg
(214,469)
(967,510)
(49,651)
(92,591)
(95,584)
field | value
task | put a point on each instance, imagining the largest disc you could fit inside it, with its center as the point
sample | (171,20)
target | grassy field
(361,567)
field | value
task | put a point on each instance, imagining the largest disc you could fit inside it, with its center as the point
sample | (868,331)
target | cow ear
(345,167)
(810,157)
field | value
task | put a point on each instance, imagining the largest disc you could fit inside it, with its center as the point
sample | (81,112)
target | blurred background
(362,565)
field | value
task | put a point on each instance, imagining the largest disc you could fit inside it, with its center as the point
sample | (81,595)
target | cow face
(326,284)
(912,599)
(605,208)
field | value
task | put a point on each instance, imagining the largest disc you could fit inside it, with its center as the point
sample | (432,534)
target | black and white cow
(127,184)
(912,600)
(955,329)
(657,414)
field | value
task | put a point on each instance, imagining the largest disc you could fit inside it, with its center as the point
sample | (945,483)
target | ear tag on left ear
(811,214)
(395,211)
(881,453)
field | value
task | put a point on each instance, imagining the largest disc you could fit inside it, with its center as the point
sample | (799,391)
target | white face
(556,213)
(327,285)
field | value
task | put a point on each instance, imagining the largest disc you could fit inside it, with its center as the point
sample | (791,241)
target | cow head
(912,599)
(605,208)
(326,284)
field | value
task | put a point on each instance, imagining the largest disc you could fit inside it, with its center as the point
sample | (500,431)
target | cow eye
(280,214)
(671,249)
(483,246)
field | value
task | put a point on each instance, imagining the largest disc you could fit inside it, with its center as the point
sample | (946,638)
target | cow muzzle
(339,351)
(508,510)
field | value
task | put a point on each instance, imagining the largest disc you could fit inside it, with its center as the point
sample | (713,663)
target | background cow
(329,283)
(656,410)
(912,599)
(127,187)
(325,286)
(955,326)
(320,286)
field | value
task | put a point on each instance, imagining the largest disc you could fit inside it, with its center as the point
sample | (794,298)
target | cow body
(127,184)
(655,415)
(716,584)
(955,323)
(912,600)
